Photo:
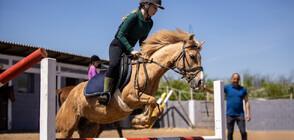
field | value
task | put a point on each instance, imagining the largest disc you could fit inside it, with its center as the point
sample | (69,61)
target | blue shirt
(235,98)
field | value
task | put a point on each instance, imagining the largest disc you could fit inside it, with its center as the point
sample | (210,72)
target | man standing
(235,95)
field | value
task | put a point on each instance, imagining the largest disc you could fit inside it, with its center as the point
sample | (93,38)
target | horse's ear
(191,37)
(181,31)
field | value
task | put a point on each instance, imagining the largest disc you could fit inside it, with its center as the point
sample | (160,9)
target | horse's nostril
(199,83)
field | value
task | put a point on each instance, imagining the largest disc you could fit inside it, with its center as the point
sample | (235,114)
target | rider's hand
(204,87)
(135,53)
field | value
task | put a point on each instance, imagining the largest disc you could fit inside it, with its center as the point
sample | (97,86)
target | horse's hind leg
(116,125)
(87,129)
(118,128)
(101,128)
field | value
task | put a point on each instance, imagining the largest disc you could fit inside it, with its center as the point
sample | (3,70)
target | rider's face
(152,10)
(95,63)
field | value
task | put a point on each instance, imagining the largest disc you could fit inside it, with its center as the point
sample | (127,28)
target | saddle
(95,85)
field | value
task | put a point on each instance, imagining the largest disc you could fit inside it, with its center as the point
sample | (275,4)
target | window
(25,83)
(4,61)
(71,81)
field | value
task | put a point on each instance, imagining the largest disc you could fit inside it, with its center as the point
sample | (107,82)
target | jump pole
(22,66)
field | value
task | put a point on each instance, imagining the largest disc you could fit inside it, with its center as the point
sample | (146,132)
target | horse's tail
(58,92)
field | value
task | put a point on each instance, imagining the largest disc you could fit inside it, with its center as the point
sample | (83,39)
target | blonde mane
(162,38)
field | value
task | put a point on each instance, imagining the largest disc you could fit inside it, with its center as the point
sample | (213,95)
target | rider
(94,62)
(136,26)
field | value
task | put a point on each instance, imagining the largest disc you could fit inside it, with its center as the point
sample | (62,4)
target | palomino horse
(163,50)
(62,95)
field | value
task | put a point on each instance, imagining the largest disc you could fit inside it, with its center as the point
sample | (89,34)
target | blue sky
(240,35)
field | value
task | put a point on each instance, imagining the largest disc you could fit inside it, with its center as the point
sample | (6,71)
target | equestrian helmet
(155,2)
(94,58)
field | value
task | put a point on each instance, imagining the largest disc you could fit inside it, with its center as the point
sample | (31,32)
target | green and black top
(134,28)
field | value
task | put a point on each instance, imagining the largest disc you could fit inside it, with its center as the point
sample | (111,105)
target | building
(23,113)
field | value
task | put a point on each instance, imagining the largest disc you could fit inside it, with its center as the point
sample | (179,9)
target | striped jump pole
(22,66)
(155,138)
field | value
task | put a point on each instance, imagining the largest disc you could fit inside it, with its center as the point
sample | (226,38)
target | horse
(164,50)
(63,94)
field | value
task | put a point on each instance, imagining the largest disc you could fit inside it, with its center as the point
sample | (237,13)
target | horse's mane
(162,38)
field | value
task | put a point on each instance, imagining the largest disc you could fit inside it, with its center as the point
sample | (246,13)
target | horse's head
(181,50)
(188,62)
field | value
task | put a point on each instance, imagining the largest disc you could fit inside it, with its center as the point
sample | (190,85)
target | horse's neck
(165,56)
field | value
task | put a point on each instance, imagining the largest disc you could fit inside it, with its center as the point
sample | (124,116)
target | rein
(181,55)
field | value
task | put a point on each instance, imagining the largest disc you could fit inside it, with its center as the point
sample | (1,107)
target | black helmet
(94,58)
(155,2)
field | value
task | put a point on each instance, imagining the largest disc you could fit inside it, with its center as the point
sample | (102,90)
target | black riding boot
(105,97)
(244,136)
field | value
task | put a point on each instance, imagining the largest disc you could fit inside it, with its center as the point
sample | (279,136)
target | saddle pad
(95,85)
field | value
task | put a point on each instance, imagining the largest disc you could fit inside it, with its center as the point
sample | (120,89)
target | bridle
(182,56)
(189,69)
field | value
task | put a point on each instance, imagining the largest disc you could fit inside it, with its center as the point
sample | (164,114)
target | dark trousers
(240,120)
(115,52)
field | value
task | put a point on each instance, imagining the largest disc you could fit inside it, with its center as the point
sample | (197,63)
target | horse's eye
(193,46)
(192,56)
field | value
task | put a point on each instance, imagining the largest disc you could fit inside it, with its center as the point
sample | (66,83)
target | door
(3,108)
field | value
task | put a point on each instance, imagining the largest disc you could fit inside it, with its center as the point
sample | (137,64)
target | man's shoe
(104,98)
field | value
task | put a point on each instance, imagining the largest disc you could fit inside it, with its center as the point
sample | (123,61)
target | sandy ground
(165,132)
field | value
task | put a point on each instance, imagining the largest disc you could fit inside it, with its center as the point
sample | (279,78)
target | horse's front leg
(146,119)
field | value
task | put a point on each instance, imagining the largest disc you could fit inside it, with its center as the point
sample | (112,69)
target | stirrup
(104,98)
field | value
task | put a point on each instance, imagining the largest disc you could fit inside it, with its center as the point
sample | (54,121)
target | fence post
(219,114)
(47,99)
